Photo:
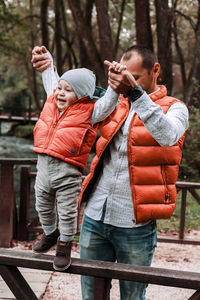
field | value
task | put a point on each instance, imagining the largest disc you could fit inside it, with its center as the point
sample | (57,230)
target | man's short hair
(148,57)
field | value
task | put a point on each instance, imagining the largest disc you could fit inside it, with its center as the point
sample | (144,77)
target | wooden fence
(102,271)
(19,119)
(13,226)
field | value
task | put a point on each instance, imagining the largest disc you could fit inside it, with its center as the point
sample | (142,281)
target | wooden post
(101,288)
(16,282)
(7,204)
(195,195)
(182,219)
(24,203)
(195,296)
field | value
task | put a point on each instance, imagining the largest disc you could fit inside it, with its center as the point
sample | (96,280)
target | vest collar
(162,92)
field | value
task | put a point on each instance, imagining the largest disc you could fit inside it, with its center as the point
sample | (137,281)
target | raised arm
(43,62)
(106,104)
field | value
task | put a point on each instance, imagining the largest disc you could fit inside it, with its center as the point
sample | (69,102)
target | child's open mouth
(62,100)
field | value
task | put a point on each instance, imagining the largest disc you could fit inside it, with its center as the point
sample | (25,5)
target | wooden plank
(18,161)
(33,174)
(18,118)
(16,283)
(24,203)
(102,288)
(195,195)
(182,217)
(7,204)
(195,296)
(34,226)
(182,279)
(167,239)
(185,184)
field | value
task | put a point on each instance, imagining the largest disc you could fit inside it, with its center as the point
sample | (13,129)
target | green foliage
(10,25)
(191,217)
(14,94)
(190,165)
(17,102)
(22,131)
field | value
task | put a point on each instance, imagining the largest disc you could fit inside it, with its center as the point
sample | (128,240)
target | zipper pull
(167,198)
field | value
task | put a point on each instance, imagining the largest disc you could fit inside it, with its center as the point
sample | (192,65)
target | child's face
(64,95)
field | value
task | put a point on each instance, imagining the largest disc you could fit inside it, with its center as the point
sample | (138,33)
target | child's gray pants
(57,182)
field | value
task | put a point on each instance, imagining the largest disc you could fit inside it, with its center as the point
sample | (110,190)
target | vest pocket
(74,141)
(167,198)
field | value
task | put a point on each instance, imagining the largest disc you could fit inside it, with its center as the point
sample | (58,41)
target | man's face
(146,78)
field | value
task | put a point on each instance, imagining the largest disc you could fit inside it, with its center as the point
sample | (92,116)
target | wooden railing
(13,226)
(184,188)
(19,119)
(9,225)
(102,271)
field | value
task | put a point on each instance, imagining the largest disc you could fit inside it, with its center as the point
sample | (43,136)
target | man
(132,177)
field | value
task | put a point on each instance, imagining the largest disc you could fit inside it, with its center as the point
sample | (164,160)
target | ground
(170,256)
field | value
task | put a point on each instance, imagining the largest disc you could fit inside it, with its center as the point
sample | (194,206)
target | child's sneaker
(46,242)
(62,259)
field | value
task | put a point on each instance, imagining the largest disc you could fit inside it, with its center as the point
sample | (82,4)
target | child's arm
(50,77)
(106,104)
(43,62)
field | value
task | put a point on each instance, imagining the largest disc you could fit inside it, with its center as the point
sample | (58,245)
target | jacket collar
(160,93)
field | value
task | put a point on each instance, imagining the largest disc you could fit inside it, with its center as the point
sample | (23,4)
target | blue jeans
(105,242)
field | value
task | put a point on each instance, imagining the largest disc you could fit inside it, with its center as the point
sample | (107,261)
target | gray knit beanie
(83,81)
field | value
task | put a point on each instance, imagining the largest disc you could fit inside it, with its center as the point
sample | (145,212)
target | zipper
(58,119)
(51,133)
(165,184)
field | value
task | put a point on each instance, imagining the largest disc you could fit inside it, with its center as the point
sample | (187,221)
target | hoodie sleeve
(104,106)
(50,77)
(165,128)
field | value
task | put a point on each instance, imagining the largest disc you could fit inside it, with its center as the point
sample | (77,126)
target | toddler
(63,138)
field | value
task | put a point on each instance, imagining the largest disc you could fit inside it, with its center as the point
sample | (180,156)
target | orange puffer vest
(153,170)
(70,136)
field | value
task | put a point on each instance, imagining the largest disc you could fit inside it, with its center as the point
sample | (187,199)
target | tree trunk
(180,54)
(70,54)
(143,25)
(58,33)
(85,34)
(193,85)
(119,27)
(34,84)
(44,22)
(164,24)
(84,59)
(105,36)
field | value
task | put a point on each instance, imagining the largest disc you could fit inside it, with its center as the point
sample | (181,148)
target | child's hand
(119,78)
(41,58)
(37,50)
(115,66)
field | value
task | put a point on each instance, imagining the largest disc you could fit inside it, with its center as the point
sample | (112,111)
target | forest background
(83,33)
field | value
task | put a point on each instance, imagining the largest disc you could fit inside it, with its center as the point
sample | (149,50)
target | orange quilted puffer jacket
(70,136)
(153,170)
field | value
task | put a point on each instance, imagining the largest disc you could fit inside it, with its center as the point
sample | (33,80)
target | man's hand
(40,60)
(119,78)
